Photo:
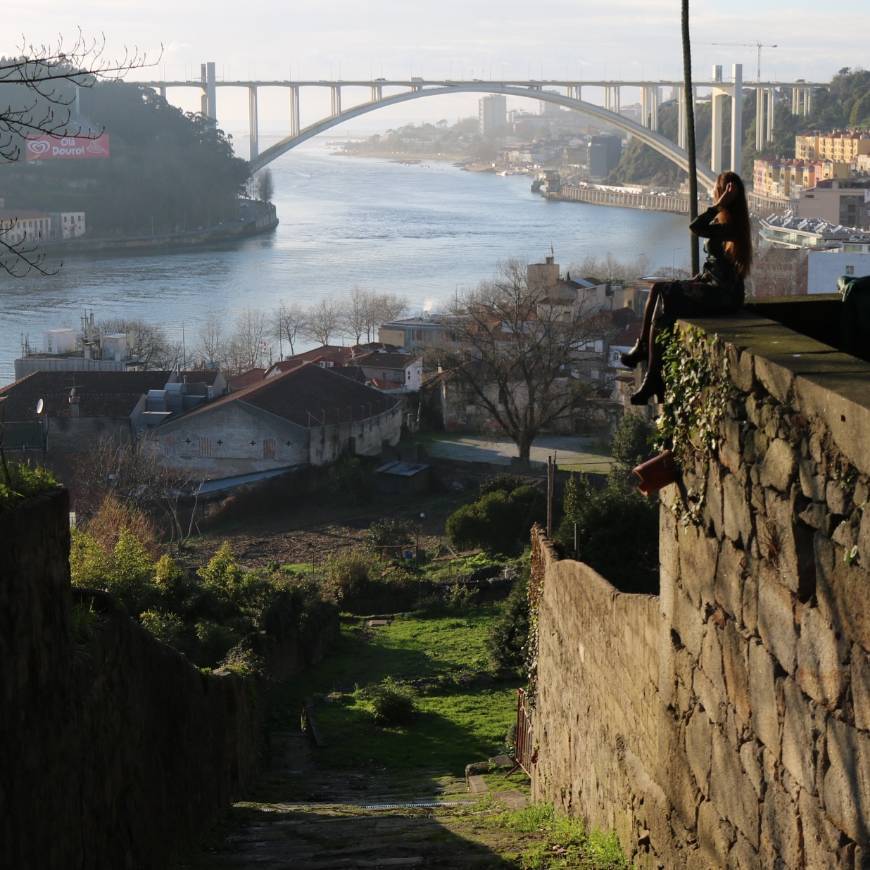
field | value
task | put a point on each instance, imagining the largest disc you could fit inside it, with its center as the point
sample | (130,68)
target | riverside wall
(726,722)
(115,751)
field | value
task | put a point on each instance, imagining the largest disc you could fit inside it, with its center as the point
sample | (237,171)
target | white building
(825,267)
(492,112)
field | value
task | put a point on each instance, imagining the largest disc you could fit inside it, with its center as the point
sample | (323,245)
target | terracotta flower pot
(657,472)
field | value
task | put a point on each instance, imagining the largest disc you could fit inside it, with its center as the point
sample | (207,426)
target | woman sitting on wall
(717,290)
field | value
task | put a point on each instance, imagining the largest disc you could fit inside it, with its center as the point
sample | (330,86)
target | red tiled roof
(101,394)
(245,379)
(307,395)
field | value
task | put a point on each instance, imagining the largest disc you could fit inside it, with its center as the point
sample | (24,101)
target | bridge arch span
(649,137)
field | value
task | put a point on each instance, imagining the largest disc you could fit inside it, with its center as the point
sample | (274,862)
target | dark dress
(717,289)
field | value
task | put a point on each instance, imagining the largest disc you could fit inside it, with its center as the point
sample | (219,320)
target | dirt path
(305,818)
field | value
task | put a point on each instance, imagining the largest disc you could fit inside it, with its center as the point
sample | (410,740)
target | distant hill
(168,170)
(846,103)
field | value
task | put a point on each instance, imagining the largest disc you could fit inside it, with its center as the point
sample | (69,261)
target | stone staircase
(307,818)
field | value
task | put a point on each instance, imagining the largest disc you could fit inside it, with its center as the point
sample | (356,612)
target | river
(423,231)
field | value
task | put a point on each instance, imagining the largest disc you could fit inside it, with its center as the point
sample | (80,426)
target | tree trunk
(524,446)
(690,134)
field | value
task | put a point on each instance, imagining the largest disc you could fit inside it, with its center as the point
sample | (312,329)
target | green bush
(509,634)
(18,481)
(617,533)
(498,521)
(505,483)
(166,627)
(214,641)
(393,704)
(388,537)
(632,440)
(346,576)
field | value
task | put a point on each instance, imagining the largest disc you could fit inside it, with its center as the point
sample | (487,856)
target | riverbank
(258,218)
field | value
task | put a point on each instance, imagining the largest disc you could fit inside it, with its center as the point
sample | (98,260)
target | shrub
(497,521)
(505,483)
(346,575)
(166,627)
(214,641)
(18,481)
(617,533)
(509,634)
(632,440)
(349,480)
(242,660)
(393,703)
(113,516)
(388,537)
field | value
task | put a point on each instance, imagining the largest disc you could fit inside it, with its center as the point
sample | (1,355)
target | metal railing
(525,754)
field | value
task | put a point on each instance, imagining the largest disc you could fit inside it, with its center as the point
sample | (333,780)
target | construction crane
(755,45)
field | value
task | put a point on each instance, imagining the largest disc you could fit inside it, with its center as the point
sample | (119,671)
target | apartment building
(786,178)
(841,146)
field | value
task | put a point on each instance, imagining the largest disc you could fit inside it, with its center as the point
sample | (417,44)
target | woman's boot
(637,354)
(652,385)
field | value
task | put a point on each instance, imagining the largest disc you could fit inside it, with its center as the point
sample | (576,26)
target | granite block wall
(750,747)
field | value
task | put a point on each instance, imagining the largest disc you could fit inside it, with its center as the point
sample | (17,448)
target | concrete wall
(368,436)
(115,751)
(751,747)
(235,425)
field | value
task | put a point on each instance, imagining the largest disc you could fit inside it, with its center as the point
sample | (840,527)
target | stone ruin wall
(726,723)
(115,751)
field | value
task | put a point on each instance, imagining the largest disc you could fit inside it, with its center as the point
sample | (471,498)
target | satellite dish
(40,406)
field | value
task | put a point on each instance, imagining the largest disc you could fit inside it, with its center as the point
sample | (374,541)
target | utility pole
(690,134)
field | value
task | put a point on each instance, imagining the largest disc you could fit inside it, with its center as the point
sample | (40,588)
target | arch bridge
(568,94)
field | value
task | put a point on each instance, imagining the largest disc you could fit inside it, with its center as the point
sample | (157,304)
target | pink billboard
(67,147)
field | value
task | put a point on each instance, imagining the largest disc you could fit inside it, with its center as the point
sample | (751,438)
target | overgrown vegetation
(18,481)
(616,531)
(223,613)
(561,841)
(508,638)
(500,520)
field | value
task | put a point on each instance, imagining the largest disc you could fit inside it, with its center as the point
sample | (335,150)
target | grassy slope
(461,719)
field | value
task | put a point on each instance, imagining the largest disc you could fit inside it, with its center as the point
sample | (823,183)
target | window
(270,448)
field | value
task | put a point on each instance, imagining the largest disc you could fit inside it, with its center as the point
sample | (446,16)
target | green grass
(298,569)
(560,841)
(463,714)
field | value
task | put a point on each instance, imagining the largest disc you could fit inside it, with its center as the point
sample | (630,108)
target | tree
(37,89)
(384,307)
(323,320)
(288,323)
(212,343)
(147,344)
(356,314)
(265,186)
(514,351)
(249,346)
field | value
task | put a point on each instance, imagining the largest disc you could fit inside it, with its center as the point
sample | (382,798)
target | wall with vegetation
(115,751)
(750,747)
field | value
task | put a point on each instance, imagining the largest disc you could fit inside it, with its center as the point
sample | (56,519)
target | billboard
(67,147)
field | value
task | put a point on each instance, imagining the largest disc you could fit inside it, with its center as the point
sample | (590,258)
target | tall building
(492,111)
(786,178)
(841,146)
(604,154)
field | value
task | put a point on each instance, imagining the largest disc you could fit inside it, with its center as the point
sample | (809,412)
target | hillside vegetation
(846,103)
(168,171)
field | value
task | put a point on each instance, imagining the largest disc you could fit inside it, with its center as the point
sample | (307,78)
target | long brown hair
(736,213)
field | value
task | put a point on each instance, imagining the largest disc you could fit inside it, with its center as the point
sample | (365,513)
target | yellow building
(786,178)
(841,146)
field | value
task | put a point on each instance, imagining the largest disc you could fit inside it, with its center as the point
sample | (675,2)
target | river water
(423,231)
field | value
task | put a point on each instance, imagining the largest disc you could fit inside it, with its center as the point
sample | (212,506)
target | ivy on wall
(698,389)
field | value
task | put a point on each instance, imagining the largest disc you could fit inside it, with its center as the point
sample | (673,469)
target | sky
(268,39)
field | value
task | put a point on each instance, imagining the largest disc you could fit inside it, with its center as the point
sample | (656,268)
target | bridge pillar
(656,100)
(794,101)
(759,119)
(808,100)
(294,110)
(209,91)
(737,119)
(163,92)
(681,117)
(717,95)
(771,113)
(645,119)
(335,100)
(377,93)
(253,125)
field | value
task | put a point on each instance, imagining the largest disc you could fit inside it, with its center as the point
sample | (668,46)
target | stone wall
(751,746)
(115,751)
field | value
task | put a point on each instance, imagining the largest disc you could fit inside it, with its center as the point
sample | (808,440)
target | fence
(525,755)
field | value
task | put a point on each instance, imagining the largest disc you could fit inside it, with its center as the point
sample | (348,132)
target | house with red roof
(306,416)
